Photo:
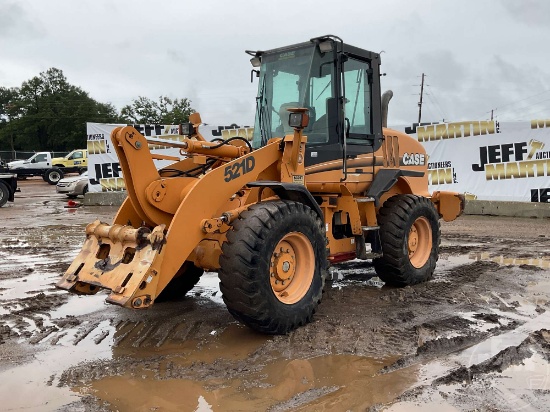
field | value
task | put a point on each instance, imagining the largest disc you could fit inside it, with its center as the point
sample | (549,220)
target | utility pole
(420,102)
(491,114)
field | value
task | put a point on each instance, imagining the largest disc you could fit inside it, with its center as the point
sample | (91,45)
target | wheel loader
(321,182)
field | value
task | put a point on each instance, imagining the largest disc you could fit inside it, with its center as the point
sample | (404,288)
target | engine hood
(73,179)
(16,164)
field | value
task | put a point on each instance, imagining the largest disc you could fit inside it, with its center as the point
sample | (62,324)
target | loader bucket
(119,258)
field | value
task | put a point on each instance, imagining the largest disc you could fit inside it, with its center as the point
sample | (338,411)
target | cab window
(320,92)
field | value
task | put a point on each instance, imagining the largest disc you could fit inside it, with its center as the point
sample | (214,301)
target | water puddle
(359,272)
(540,262)
(23,287)
(481,324)
(33,385)
(513,369)
(209,287)
(484,350)
(80,305)
(515,387)
(339,382)
(226,370)
(453,260)
(439,405)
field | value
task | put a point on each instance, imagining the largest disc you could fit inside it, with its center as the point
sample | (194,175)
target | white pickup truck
(39,164)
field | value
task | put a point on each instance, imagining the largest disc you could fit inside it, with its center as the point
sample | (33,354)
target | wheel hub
(292,266)
(419,242)
(413,241)
(283,266)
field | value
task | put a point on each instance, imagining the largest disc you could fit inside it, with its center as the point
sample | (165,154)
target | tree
(9,110)
(48,113)
(166,111)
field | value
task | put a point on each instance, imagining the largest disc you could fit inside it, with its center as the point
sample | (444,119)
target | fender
(385,179)
(291,191)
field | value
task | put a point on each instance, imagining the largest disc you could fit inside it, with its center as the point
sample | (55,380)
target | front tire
(185,280)
(410,237)
(274,265)
(53,175)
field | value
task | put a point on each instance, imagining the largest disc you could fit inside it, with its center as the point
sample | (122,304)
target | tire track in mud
(398,333)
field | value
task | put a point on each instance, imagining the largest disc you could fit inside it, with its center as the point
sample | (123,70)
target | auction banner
(488,160)
(104,171)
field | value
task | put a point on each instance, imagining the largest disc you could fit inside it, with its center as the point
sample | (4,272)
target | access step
(366,199)
(368,228)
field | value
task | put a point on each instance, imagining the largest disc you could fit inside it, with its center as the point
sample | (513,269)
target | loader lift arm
(144,249)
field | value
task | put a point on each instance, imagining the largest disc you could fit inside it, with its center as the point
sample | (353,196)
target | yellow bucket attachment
(119,258)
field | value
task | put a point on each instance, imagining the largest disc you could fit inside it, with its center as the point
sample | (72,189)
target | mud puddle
(539,262)
(321,383)
(34,283)
(33,386)
(79,305)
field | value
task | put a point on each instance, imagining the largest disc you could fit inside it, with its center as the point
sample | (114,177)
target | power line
(436,104)
(522,108)
(516,102)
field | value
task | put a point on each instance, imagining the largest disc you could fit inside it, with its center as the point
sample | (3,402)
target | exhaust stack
(386,97)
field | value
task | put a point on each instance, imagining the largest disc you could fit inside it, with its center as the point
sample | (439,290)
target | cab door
(77,159)
(358,119)
(323,137)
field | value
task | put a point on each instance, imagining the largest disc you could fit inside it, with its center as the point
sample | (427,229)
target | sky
(478,55)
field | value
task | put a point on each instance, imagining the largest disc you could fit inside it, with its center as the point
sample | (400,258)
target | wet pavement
(475,337)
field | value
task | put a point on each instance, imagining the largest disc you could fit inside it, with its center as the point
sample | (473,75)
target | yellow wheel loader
(321,182)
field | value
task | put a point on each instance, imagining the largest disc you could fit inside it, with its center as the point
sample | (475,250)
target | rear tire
(53,175)
(274,265)
(4,194)
(186,278)
(410,237)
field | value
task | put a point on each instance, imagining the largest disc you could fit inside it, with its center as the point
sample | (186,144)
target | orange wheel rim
(420,242)
(292,266)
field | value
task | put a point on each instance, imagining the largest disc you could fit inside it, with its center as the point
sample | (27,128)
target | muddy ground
(477,337)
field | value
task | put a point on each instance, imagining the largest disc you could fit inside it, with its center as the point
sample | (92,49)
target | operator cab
(337,83)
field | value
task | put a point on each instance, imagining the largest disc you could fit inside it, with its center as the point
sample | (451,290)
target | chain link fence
(8,155)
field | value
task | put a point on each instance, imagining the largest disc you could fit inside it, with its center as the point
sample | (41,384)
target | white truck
(51,170)
(39,164)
